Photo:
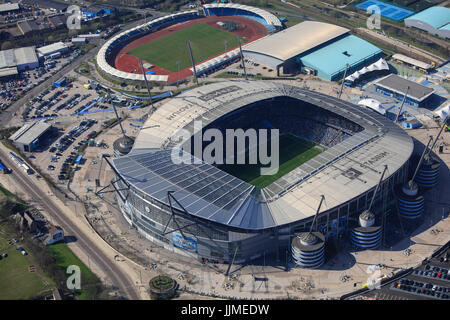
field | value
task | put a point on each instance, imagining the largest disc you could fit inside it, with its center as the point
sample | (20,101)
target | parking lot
(79,113)
(12,89)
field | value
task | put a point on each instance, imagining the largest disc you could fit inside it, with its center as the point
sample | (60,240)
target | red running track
(125,62)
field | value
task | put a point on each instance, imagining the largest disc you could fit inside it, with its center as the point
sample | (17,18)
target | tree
(7,45)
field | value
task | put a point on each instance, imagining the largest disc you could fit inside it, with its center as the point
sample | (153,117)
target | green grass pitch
(293,152)
(206,42)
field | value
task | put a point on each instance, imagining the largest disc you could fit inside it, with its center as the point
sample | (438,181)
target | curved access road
(107,264)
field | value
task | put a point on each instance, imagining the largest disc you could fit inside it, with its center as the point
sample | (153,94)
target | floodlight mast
(192,60)
(437,137)
(119,119)
(401,107)
(242,58)
(317,212)
(343,80)
(146,83)
(411,182)
(378,186)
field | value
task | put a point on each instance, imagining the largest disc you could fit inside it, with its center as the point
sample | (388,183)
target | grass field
(293,152)
(206,42)
(64,258)
(16,281)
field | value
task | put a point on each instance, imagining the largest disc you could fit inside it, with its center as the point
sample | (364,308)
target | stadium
(330,150)
(161,43)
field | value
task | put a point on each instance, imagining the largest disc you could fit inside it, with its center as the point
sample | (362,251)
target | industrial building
(79,40)
(396,86)
(7,8)
(58,47)
(57,21)
(7,73)
(23,58)
(199,210)
(94,11)
(30,26)
(29,137)
(434,20)
(414,63)
(314,47)
(90,36)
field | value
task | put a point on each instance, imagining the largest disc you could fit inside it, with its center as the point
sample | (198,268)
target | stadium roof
(29,132)
(268,17)
(209,193)
(332,58)
(296,40)
(399,85)
(436,17)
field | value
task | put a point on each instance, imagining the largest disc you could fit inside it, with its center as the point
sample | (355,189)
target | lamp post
(178,67)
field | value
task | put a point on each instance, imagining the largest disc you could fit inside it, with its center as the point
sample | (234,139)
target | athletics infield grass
(294,151)
(206,42)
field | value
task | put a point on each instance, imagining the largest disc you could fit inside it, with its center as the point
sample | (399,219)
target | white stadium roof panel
(294,196)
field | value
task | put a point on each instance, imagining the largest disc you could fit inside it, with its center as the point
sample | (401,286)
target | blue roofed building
(313,47)
(434,20)
(330,60)
(97,11)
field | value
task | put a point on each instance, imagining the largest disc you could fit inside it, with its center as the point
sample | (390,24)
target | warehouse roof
(332,58)
(30,132)
(296,40)
(412,61)
(28,26)
(58,20)
(5,7)
(233,202)
(26,55)
(436,17)
(399,85)
(54,47)
(15,57)
(48,4)
(5,72)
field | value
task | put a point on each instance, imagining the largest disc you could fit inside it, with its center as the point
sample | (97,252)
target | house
(56,234)
(31,26)
(25,221)
(57,21)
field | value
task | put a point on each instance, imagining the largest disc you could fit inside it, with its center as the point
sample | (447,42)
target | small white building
(90,36)
(79,40)
(45,51)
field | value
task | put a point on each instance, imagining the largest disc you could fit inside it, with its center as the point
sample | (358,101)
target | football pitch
(206,42)
(294,151)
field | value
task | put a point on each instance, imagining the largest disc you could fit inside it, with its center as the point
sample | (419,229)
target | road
(403,45)
(83,241)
